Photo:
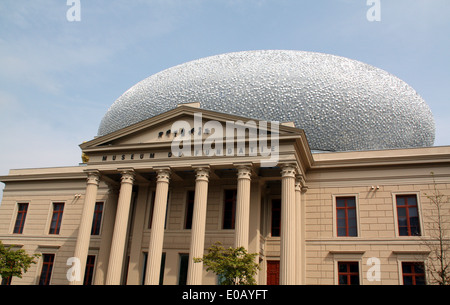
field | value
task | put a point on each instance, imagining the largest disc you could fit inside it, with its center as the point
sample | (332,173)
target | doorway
(273,272)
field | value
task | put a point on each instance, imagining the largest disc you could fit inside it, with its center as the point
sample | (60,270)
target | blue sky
(58,78)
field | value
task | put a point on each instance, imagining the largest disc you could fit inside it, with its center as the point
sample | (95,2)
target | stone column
(84,231)
(243,206)
(134,276)
(116,257)
(157,234)
(198,226)
(288,230)
(109,215)
(298,231)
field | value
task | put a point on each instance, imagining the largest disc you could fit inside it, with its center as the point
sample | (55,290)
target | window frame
(90,270)
(95,220)
(342,256)
(413,274)
(419,214)
(348,273)
(59,217)
(335,222)
(23,217)
(49,274)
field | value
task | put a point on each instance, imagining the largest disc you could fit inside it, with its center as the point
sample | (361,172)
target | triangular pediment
(185,121)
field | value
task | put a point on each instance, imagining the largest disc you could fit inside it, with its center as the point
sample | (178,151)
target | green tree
(234,265)
(14,262)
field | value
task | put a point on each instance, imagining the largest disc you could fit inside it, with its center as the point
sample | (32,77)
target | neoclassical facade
(137,210)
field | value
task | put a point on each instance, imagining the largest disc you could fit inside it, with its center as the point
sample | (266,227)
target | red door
(273,272)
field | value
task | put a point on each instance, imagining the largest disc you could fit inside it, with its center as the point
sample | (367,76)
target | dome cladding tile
(342,104)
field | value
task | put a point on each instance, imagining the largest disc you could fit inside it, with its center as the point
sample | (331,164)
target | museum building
(322,165)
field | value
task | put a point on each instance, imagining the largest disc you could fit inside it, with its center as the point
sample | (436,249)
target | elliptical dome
(342,104)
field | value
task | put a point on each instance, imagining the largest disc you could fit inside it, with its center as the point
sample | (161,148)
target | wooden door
(273,272)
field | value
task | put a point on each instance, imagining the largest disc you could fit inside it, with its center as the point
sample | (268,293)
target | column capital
(288,170)
(300,179)
(202,173)
(299,182)
(298,185)
(163,175)
(128,175)
(93,177)
(244,170)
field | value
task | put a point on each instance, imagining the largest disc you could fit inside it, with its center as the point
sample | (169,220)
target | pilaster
(288,228)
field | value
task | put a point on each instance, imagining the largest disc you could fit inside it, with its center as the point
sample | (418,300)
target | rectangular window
(55,225)
(189,209)
(184,263)
(413,273)
(89,273)
(346,216)
(229,210)
(47,267)
(408,215)
(22,210)
(276,217)
(97,220)
(348,273)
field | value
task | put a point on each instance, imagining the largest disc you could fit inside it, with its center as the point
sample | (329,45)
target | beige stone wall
(41,196)
(36,238)
(377,223)
(377,231)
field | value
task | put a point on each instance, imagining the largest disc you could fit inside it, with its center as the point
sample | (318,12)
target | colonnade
(290,247)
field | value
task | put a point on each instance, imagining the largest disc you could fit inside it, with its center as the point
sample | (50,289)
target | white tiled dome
(342,104)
